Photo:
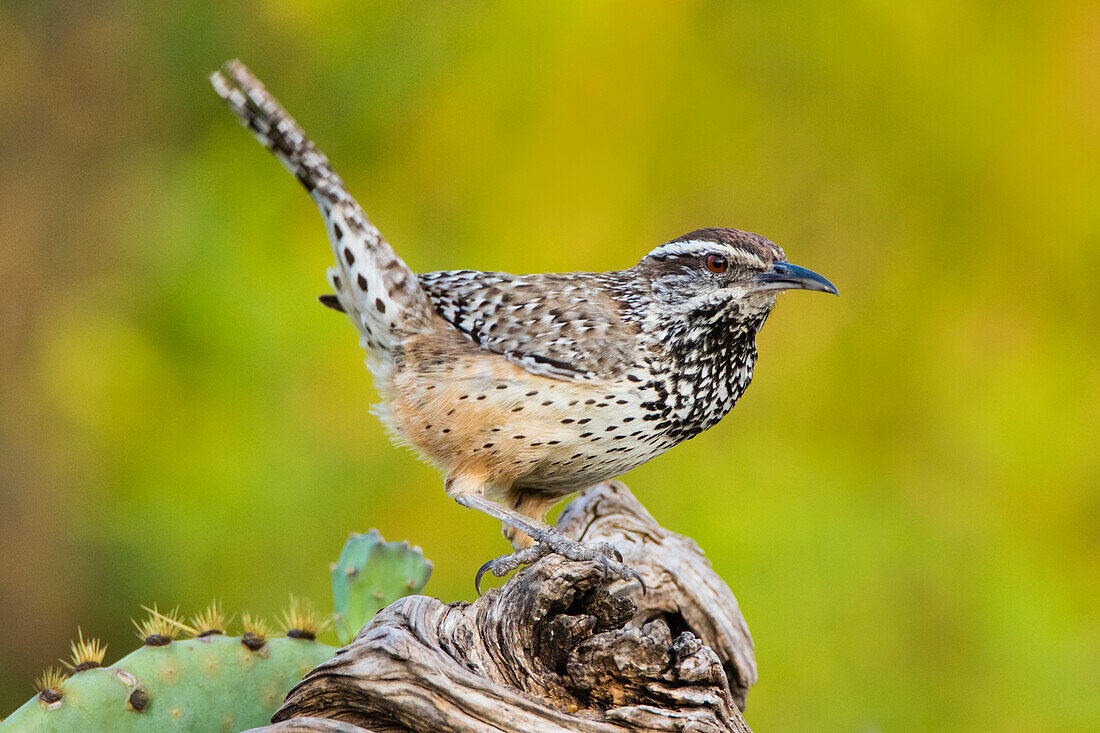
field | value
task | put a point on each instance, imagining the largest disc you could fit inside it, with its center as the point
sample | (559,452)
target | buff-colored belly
(480,415)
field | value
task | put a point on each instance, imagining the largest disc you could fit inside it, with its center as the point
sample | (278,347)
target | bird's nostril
(780,269)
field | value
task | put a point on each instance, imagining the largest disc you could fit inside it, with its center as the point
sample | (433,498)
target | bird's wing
(559,326)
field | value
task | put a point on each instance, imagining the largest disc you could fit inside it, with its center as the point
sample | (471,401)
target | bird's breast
(694,389)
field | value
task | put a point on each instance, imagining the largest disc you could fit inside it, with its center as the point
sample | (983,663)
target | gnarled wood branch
(557,649)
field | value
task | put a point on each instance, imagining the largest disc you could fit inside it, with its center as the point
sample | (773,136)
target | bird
(523,389)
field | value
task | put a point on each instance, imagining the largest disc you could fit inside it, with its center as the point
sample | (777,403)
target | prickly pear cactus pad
(209,683)
(370,575)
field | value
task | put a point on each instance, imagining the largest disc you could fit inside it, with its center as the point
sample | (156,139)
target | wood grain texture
(556,649)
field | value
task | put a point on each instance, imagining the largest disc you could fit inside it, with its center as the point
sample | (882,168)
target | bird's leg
(548,540)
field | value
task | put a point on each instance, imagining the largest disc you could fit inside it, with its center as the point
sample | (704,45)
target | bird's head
(715,274)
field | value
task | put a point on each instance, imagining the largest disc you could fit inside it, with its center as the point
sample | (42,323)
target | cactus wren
(523,389)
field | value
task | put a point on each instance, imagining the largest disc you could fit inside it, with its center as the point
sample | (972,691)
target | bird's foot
(558,544)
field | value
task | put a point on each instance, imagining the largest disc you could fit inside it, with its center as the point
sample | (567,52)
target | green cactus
(216,682)
(209,683)
(370,575)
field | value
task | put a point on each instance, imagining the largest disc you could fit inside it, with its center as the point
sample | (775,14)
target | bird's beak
(784,276)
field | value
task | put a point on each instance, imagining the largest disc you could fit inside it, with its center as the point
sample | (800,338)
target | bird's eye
(717,264)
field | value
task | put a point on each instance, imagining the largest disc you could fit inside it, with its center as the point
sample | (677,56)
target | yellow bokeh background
(907,500)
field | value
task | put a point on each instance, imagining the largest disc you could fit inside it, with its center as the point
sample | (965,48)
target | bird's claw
(501,566)
(570,550)
(480,572)
(622,571)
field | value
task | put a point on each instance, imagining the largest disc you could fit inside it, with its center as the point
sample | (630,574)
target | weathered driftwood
(558,648)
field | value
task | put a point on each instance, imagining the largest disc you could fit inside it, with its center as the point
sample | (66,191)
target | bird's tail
(372,284)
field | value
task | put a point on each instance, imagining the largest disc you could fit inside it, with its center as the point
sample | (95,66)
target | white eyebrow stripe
(700,247)
(695,247)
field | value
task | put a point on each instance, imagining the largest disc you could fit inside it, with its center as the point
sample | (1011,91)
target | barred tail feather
(374,286)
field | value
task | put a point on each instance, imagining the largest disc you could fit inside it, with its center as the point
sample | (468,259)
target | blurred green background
(906,502)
